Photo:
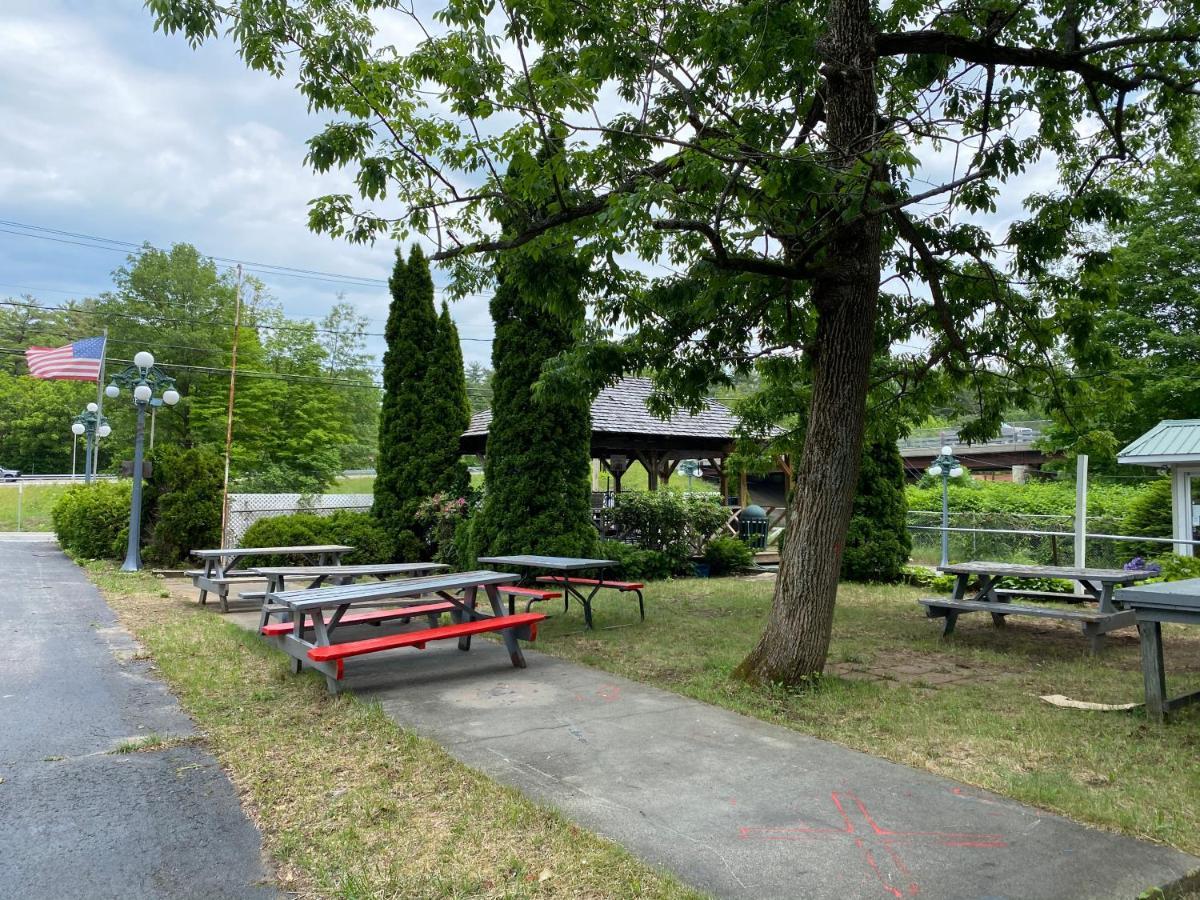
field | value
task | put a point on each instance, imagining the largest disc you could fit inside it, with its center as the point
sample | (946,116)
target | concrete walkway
(738,807)
(77,820)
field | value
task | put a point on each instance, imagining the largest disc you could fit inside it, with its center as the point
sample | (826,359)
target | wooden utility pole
(237,325)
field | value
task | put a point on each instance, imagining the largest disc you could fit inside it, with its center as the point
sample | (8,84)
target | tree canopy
(770,165)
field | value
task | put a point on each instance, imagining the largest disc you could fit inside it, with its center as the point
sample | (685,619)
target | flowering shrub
(440,516)
(1139,563)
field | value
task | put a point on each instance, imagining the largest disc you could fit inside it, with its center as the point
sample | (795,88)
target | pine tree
(538,449)
(878,542)
(402,469)
(448,410)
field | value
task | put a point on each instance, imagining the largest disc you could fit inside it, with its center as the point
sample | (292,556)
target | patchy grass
(349,804)
(35,502)
(966,708)
(359,484)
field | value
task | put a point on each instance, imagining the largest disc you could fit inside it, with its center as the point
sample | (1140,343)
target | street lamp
(948,467)
(144,378)
(94,425)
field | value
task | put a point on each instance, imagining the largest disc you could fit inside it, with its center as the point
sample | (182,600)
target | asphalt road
(79,820)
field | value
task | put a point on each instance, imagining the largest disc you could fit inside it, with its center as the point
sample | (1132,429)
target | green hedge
(727,554)
(182,508)
(92,521)
(369,538)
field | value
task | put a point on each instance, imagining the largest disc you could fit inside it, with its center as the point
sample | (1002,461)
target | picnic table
(991,596)
(277,576)
(220,566)
(532,564)
(1153,604)
(323,611)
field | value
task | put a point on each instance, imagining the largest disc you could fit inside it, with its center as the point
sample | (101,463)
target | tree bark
(796,639)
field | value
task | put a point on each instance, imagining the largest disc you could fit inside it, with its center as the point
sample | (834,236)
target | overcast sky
(110,129)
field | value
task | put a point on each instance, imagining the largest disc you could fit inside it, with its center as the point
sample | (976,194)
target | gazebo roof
(621,422)
(1170,441)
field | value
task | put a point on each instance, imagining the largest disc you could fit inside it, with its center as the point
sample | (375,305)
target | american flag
(78,361)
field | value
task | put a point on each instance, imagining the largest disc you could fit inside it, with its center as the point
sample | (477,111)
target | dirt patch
(925,670)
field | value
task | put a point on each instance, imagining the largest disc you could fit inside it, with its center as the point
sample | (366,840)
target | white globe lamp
(104,430)
(170,396)
(92,407)
(78,428)
(142,393)
(956,472)
(112,391)
(143,359)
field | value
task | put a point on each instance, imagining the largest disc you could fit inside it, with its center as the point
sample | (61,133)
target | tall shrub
(92,521)
(448,410)
(878,542)
(404,475)
(536,472)
(1150,515)
(182,502)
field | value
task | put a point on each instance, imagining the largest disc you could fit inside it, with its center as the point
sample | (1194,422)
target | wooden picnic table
(991,596)
(277,576)
(220,566)
(1153,604)
(532,567)
(324,610)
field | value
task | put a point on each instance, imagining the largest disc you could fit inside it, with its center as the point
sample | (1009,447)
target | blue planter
(702,569)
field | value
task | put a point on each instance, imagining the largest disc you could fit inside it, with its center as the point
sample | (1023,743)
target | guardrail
(64,478)
(1025,432)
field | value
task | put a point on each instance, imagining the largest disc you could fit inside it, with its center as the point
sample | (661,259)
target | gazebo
(623,429)
(1173,444)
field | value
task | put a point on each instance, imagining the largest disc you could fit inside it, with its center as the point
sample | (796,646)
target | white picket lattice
(246,509)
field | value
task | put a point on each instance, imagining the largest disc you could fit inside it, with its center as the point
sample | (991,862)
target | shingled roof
(621,421)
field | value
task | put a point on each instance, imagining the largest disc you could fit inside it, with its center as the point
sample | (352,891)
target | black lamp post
(95,426)
(144,378)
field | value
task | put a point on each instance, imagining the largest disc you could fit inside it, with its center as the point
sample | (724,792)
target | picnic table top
(273,551)
(562,563)
(364,569)
(1179,595)
(385,590)
(1023,570)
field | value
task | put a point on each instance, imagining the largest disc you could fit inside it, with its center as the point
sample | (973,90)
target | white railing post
(1081,475)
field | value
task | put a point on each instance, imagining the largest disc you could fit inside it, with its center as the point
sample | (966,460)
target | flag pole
(237,321)
(99,403)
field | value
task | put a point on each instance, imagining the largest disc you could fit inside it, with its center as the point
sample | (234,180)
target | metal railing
(1025,432)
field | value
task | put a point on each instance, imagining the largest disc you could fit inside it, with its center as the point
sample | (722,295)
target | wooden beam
(743,490)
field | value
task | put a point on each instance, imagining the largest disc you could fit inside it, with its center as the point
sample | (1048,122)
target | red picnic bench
(322,611)
(533,563)
(622,587)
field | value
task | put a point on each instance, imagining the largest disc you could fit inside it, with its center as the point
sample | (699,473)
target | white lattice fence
(246,509)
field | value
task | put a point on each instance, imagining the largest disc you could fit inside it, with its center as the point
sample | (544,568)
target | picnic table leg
(298,634)
(464,642)
(321,638)
(960,586)
(510,639)
(1154,676)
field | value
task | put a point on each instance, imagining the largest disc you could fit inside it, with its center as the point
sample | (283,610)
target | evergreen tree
(878,542)
(539,443)
(448,409)
(405,474)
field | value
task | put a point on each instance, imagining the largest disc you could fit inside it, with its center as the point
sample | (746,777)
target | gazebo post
(743,490)
(718,463)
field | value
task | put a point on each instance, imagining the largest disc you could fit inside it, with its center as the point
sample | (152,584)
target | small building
(1174,445)
(623,430)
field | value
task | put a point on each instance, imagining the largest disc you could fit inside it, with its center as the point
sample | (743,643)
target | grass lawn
(359,484)
(967,708)
(36,500)
(349,804)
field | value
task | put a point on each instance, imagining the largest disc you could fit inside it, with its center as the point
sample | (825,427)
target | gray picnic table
(277,576)
(532,565)
(220,566)
(1153,604)
(992,596)
(323,611)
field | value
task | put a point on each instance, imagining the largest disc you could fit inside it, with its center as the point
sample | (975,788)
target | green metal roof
(1171,440)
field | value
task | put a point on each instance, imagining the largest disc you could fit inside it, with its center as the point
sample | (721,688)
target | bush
(182,509)
(667,522)
(440,517)
(278,479)
(636,564)
(370,541)
(1149,515)
(878,543)
(1176,568)
(727,554)
(92,521)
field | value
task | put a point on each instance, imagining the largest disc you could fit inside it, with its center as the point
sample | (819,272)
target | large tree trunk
(796,639)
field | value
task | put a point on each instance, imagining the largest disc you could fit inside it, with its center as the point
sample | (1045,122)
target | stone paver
(735,806)
(79,820)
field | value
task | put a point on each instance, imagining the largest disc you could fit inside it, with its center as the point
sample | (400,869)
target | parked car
(9,474)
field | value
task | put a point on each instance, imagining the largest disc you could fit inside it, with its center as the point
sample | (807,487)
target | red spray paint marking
(874,840)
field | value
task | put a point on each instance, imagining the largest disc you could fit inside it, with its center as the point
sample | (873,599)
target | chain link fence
(246,509)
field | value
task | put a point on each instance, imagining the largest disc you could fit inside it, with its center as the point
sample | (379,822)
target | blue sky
(111,129)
